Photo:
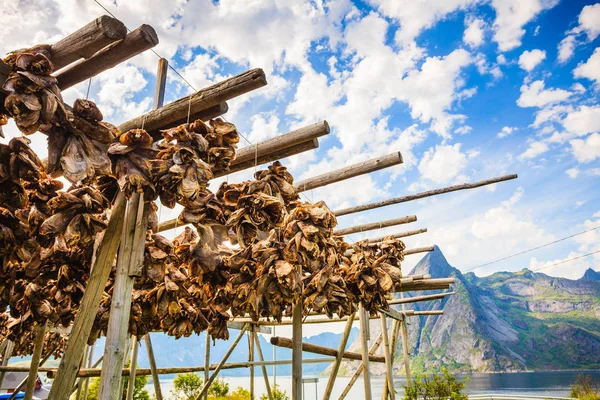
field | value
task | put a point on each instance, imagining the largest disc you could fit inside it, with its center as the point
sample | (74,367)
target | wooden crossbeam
(327,351)
(375,225)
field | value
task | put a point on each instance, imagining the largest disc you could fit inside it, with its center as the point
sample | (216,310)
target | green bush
(239,394)
(187,386)
(585,388)
(277,393)
(139,393)
(219,388)
(436,387)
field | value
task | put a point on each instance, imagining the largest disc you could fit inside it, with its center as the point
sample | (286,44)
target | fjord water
(552,383)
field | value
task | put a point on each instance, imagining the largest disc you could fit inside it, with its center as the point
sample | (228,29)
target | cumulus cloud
(588,149)
(588,27)
(442,164)
(534,150)
(474,32)
(530,59)
(536,95)
(584,120)
(590,69)
(506,131)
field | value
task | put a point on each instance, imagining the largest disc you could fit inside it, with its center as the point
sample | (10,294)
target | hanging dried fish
(280,181)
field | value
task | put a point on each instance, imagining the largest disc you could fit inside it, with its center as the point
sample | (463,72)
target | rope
(87,94)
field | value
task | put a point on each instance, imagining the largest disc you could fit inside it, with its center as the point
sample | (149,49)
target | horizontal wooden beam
(417,299)
(425,284)
(137,41)
(87,41)
(350,171)
(199,101)
(418,250)
(204,115)
(375,225)
(429,193)
(327,351)
(398,235)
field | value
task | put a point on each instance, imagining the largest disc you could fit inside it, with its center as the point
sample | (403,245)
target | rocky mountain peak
(591,275)
(435,264)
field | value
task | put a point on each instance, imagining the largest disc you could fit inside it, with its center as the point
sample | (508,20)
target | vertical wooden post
(83,361)
(274,359)
(393,344)
(206,361)
(264,368)
(364,326)
(161,82)
(404,333)
(90,363)
(82,326)
(40,332)
(120,307)
(221,363)
(7,354)
(338,359)
(360,369)
(388,358)
(250,334)
(132,367)
(297,351)
(152,362)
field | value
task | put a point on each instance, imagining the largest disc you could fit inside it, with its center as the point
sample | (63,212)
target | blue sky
(464,89)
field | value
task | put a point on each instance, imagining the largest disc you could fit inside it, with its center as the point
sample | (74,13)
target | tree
(585,388)
(187,386)
(219,388)
(443,386)
(139,393)
(277,393)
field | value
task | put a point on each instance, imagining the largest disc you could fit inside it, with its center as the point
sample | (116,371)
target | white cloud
(583,121)
(530,59)
(506,131)
(264,126)
(550,113)
(573,172)
(416,16)
(511,18)
(590,69)
(474,33)
(589,25)
(442,164)
(534,150)
(535,95)
(566,48)
(586,150)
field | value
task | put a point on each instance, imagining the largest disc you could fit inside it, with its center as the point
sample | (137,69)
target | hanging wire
(87,94)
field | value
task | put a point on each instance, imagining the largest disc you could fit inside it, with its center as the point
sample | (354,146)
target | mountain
(591,275)
(503,322)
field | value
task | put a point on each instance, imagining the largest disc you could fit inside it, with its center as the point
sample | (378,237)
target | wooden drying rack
(105,43)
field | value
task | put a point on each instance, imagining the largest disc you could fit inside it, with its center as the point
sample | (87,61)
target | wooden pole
(206,361)
(429,193)
(204,115)
(40,332)
(132,368)
(269,157)
(417,299)
(22,384)
(360,369)
(263,367)
(375,225)
(201,100)
(83,361)
(389,361)
(86,41)
(90,364)
(250,334)
(84,320)
(351,171)
(297,347)
(418,250)
(338,360)
(152,362)
(120,307)
(404,333)
(79,382)
(364,326)
(326,351)
(394,341)
(10,345)
(398,235)
(222,363)
(137,41)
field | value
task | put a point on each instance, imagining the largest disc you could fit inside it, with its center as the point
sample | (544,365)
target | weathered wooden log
(338,359)
(201,100)
(87,41)
(137,41)
(375,225)
(40,332)
(360,368)
(365,357)
(418,250)
(417,299)
(297,347)
(389,360)
(350,171)
(204,115)
(82,326)
(429,193)
(398,235)
(326,351)
(153,369)
(426,284)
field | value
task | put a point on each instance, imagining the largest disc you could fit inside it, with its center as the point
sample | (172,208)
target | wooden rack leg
(81,380)
(7,354)
(206,361)
(250,335)
(83,361)
(90,364)
(152,362)
(389,362)
(404,332)
(360,369)
(338,359)
(22,384)
(297,351)
(223,361)
(132,367)
(120,308)
(263,367)
(393,344)
(364,326)
(40,332)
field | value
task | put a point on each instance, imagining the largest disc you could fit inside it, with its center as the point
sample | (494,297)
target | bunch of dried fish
(280,182)
(55,344)
(222,140)
(133,165)
(374,272)
(34,97)
(262,282)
